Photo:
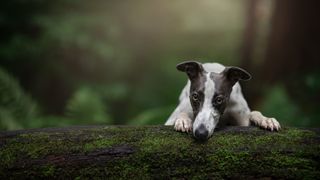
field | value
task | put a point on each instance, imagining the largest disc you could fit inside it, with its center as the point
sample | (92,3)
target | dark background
(73,62)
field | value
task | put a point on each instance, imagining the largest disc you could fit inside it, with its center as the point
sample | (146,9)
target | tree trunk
(247,49)
(159,152)
(292,55)
(294,40)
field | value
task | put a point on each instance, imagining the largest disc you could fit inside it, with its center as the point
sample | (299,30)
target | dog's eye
(219,100)
(195,96)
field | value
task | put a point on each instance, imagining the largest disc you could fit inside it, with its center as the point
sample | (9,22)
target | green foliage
(123,56)
(87,106)
(16,107)
(152,116)
(127,57)
(8,121)
(279,104)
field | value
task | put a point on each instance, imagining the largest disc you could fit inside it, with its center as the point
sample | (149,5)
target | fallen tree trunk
(159,152)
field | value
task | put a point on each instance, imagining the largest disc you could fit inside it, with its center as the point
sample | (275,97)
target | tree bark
(247,49)
(293,47)
(292,55)
(159,152)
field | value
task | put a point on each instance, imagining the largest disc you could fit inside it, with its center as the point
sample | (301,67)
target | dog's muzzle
(201,133)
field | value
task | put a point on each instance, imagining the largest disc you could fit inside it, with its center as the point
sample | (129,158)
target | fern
(16,107)
(87,107)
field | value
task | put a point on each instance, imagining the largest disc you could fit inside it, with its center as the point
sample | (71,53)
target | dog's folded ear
(193,69)
(235,74)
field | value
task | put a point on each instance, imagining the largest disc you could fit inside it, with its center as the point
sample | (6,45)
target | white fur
(183,123)
(267,123)
(208,116)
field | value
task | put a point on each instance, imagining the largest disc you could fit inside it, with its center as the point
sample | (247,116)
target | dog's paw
(264,122)
(183,124)
(270,124)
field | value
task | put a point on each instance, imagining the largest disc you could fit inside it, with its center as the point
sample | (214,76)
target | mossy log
(159,152)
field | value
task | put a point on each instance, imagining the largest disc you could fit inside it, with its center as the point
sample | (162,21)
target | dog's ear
(192,68)
(235,74)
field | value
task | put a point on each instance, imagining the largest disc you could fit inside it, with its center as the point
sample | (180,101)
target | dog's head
(209,94)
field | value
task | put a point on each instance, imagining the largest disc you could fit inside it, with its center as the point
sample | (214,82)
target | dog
(213,98)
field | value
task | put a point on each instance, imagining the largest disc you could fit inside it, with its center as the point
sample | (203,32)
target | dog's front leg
(243,116)
(183,123)
(264,122)
(181,118)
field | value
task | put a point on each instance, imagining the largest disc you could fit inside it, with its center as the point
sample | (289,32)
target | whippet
(212,97)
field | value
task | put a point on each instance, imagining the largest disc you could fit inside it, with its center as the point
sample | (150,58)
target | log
(148,152)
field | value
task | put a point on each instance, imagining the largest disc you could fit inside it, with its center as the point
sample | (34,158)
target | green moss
(159,151)
(229,141)
(35,145)
(278,160)
(23,146)
(155,143)
(97,144)
(47,170)
(289,165)
(8,156)
(298,133)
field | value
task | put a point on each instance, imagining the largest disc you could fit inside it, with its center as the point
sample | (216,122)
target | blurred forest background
(77,62)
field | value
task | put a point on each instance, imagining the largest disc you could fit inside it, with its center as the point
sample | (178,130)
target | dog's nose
(201,133)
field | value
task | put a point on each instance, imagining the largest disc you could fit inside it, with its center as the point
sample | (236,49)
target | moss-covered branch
(159,152)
